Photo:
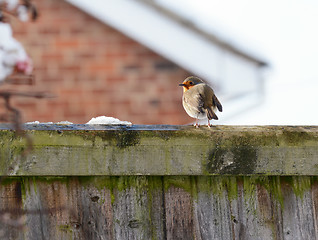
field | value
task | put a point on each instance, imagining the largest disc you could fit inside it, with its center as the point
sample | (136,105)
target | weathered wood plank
(157,207)
(166,150)
(94,211)
(251,212)
(298,218)
(149,207)
(212,209)
(314,192)
(131,209)
(160,182)
(269,209)
(61,210)
(47,210)
(179,221)
(11,211)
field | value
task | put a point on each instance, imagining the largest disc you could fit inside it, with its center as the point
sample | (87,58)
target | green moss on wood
(223,186)
(299,184)
(65,228)
(127,138)
(235,160)
(221,150)
(296,137)
(9,180)
(183,182)
(220,185)
(273,185)
(51,179)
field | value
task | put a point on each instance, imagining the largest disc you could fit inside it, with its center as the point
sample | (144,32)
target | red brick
(55,56)
(95,70)
(66,43)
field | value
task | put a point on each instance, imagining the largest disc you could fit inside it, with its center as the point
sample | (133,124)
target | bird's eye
(191,83)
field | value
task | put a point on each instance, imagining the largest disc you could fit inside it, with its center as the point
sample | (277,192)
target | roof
(166,33)
(211,36)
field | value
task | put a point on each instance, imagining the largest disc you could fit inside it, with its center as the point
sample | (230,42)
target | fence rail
(159,182)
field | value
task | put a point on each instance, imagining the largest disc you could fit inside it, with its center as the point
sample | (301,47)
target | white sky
(286,33)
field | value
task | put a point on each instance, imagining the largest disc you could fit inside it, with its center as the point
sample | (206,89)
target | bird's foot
(196,124)
(209,125)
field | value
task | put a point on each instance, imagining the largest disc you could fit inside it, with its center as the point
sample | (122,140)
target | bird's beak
(181,84)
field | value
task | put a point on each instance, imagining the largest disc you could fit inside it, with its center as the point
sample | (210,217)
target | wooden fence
(159,182)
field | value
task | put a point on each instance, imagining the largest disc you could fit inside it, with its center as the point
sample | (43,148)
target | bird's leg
(209,125)
(196,123)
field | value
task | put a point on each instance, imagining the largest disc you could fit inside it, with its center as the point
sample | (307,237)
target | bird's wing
(194,99)
(211,114)
(217,103)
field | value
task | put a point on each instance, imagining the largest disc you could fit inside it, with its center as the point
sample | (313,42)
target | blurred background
(125,59)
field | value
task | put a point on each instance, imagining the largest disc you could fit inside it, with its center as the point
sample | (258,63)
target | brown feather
(217,103)
(211,115)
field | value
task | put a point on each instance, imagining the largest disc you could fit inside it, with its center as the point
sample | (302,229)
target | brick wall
(95,70)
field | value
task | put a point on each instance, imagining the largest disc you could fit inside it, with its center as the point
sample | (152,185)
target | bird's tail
(211,114)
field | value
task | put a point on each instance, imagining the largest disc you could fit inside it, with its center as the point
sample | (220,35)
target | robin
(199,100)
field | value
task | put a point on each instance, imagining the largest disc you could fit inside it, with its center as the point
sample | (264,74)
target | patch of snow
(108,121)
(64,122)
(35,122)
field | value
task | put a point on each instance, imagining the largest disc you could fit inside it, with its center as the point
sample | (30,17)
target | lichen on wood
(178,151)
(161,182)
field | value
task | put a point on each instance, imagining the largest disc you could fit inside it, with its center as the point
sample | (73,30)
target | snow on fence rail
(159,182)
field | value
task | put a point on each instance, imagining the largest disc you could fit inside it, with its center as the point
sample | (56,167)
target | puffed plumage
(199,100)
